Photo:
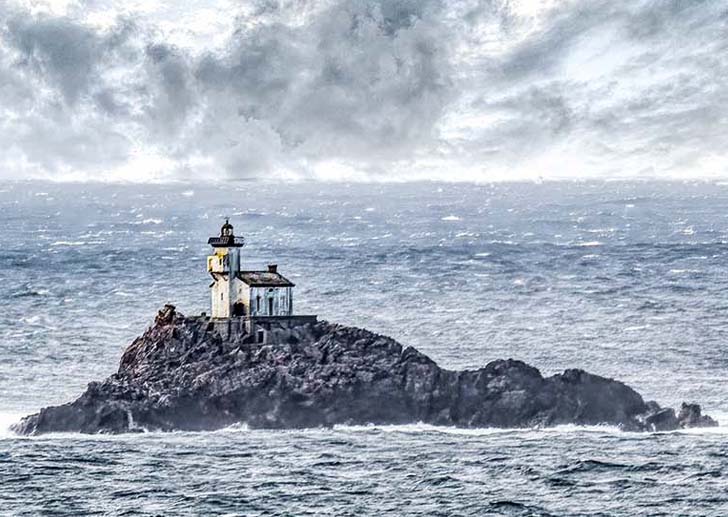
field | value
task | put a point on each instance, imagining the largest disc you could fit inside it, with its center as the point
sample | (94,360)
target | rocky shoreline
(182,374)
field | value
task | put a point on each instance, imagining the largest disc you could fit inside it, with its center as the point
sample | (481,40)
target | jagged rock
(182,375)
(662,420)
(690,416)
(165,315)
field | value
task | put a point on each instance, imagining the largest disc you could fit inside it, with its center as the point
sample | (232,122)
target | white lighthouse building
(241,293)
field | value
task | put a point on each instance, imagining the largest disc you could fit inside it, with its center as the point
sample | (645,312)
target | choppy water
(626,280)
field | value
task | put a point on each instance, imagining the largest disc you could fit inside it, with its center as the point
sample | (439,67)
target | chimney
(272,268)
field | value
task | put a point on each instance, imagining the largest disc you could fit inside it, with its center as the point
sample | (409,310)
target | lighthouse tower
(224,266)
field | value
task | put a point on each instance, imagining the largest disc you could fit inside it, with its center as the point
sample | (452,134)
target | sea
(627,280)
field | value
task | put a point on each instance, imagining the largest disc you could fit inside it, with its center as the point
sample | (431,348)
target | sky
(354,90)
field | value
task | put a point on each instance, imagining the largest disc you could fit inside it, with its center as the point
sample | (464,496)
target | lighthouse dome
(227,229)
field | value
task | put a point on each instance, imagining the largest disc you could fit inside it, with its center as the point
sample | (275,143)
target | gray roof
(264,279)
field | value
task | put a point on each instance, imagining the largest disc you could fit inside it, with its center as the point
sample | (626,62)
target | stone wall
(259,329)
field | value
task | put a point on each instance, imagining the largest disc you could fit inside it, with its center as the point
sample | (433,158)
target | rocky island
(186,373)
(254,361)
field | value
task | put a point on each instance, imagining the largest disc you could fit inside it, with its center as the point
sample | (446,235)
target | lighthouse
(236,292)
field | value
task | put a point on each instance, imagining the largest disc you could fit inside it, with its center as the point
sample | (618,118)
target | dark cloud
(61,52)
(170,85)
(358,82)
(374,86)
(58,49)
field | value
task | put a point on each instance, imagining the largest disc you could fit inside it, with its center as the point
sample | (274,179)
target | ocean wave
(8,419)
(68,243)
(29,293)
(532,432)
(421,427)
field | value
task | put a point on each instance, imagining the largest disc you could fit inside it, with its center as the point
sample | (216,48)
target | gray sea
(626,280)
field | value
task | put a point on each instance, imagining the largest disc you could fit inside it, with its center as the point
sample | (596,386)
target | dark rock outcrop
(690,416)
(182,375)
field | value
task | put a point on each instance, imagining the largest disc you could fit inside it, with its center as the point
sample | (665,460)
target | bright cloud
(386,90)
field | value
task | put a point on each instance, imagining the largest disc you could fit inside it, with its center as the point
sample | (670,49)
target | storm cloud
(386,90)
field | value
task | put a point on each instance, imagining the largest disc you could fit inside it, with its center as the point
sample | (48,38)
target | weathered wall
(224,293)
(220,296)
(280,299)
(274,329)
(234,259)
(217,263)
(274,301)
(242,294)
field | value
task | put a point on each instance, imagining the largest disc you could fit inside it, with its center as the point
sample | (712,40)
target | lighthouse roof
(227,238)
(264,279)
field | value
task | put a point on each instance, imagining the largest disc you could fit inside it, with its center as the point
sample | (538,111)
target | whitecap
(535,432)
(451,218)
(68,243)
(601,230)
(635,328)
(7,419)
(235,428)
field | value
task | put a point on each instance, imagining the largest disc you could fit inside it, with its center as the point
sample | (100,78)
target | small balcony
(226,241)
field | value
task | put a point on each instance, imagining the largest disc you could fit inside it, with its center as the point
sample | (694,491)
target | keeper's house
(247,295)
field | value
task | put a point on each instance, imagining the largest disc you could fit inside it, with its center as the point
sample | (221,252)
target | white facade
(270,301)
(221,306)
(223,265)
